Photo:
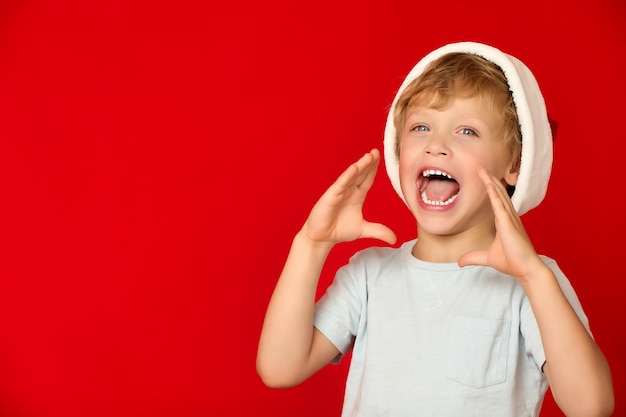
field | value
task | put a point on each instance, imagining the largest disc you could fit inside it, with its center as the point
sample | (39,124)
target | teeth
(437,203)
(429,172)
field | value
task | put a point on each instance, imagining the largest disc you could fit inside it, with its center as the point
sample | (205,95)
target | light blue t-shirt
(434,339)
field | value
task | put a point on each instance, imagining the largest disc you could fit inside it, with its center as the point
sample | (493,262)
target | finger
(506,217)
(490,181)
(347,177)
(379,231)
(355,173)
(368,165)
(341,184)
(473,258)
(498,195)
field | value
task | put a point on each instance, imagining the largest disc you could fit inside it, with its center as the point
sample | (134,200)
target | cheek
(407,172)
(405,165)
(408,153)
(499,165)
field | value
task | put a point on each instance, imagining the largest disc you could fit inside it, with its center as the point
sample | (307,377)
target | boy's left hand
(511,251)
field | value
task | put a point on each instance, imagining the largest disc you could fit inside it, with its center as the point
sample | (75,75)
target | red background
(157,157)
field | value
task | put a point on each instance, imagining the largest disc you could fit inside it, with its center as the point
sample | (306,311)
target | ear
(513,172)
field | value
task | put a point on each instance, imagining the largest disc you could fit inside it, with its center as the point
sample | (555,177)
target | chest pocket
(477,351)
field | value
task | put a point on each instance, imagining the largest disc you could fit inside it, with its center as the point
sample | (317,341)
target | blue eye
(421,128)
(468,131)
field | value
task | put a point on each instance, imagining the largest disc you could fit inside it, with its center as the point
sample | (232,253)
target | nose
(437,145)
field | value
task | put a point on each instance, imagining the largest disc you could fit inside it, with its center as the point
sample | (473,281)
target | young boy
(467,319)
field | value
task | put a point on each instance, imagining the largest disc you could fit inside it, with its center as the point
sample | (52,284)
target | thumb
(379,231)
(476,257)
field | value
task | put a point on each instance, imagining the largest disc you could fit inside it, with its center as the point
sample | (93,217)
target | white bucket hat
(536,158)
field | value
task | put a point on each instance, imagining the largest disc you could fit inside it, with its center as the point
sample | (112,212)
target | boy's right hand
(338,216)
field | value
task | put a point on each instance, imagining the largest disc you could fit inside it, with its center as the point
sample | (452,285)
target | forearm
(287,334)
(577,370)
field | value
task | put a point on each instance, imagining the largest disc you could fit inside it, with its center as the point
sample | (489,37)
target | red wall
(157,157)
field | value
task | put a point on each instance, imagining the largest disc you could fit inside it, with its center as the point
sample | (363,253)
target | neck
(449,248)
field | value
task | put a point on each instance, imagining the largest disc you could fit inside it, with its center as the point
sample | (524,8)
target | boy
(467,319)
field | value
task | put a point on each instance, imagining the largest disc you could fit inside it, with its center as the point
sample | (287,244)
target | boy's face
(439,153)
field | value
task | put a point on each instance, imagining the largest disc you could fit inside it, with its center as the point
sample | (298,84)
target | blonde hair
(461,75)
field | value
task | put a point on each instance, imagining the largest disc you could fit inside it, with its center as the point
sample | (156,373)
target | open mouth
(437,188)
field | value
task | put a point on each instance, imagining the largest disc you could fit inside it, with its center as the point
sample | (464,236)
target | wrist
(538,277)
(302,239)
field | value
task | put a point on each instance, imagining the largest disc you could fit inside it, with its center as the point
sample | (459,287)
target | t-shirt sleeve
(529,327)
(337,312)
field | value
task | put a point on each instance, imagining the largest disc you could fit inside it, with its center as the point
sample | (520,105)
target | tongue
(441,190)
